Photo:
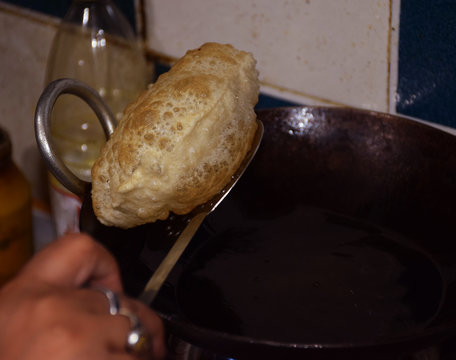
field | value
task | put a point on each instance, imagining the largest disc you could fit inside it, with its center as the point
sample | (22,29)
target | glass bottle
(16,231)
(94,44)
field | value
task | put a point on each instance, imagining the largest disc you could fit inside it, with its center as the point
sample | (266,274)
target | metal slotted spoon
(78,186)
(196,218)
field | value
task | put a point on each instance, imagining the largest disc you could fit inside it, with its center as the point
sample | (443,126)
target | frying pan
(319,174)
(337,242)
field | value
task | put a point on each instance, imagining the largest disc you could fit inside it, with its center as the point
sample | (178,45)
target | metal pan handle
(43,126)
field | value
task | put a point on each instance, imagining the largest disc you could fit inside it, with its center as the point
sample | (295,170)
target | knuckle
(81,242)
(47,306)
(81,246)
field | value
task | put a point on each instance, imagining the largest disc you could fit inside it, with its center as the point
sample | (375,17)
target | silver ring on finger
(138,341)
(112,298)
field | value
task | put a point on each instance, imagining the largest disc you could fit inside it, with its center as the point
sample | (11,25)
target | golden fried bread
(181,141)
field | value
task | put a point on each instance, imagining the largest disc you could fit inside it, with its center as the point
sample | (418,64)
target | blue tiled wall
(427,64)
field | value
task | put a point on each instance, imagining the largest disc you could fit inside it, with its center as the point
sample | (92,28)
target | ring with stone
(138,341)
(113,301)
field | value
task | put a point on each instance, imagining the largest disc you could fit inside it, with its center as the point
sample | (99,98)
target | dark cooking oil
(308,276)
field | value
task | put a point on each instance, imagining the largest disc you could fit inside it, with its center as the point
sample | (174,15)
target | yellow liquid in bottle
(116,69)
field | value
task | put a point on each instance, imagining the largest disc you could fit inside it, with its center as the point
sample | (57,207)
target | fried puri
(181,141)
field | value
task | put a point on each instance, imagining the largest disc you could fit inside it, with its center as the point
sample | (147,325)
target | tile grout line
(393,50)
(388,56)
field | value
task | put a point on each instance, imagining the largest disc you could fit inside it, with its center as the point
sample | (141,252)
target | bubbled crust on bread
(181,141)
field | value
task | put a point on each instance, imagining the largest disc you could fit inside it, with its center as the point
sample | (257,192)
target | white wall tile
(24,45)
(314,51)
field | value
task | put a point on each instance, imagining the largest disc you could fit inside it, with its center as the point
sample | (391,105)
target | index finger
(74,260)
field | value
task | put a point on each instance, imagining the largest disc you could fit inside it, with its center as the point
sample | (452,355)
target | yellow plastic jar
(16,231)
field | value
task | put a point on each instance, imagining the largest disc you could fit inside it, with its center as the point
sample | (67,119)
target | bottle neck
(98,15)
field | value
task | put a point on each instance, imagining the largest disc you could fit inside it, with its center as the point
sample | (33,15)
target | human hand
(51,309)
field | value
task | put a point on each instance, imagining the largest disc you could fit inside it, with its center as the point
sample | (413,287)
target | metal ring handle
(43,126)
